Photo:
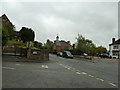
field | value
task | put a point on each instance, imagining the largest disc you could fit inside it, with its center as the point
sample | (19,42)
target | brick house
(60,45)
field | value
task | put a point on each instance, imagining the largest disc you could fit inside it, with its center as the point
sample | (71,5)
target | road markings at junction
(84,73)
(78,73)
(90,75)
(8,68)
(68,68)
(100,79)
(113,84)
(44,66)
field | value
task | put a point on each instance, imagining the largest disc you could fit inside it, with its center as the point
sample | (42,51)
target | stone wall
(15,51)
(39,55)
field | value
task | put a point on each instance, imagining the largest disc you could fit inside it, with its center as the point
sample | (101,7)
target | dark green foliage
(8,26)
(101,49)
(7,29)
(49,46)
(5,35)
(87,46)
(27,34)
(37,44)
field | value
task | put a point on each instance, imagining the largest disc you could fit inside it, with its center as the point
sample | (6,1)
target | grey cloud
(95,21)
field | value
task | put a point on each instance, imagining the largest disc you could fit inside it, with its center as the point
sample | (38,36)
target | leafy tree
(5,35)
(87,46)
(37,44)
(101,49)
(27,34)
(84,45)
(48,46)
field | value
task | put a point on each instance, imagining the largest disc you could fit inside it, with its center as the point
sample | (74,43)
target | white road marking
(113,84)
(44,66)
(8,68)
(84,73)
(90,75)
(78,73)
(65,67)
(100,79)
(68,68)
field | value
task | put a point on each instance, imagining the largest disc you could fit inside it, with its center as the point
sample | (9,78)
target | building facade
(114,48)
(61,45)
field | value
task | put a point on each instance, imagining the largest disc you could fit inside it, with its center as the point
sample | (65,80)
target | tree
(48,45)
(27,34)
(101,49)
(84,45)
(5,35)
(87,46)
(37,44)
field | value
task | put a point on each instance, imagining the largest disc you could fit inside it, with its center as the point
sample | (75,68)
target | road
(58,73)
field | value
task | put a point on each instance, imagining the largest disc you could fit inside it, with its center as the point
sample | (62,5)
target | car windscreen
(68,53)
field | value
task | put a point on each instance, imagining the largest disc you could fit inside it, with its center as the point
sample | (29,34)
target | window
(115,47)
(115,53)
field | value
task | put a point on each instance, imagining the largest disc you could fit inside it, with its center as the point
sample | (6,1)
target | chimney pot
(113,40)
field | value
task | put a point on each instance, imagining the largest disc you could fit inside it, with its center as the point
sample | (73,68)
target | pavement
(58,73)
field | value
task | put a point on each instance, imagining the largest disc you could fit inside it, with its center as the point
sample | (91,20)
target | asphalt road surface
(58,73)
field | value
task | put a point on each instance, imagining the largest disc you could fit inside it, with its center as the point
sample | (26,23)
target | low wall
(15,51)
(39,55)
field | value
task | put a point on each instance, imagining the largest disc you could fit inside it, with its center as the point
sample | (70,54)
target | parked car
(59,54)
(84,54)
(67,54)
(104,55)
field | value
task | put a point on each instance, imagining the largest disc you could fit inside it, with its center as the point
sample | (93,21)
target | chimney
(113,40)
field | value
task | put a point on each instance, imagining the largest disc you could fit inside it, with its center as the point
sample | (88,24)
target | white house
(114,48)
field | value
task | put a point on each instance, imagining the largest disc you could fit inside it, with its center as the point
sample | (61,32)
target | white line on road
(90,75)
(68,68)
(84,73)
(8,68)
(44,66)
(100,79)
(65,67)
(78,73)
(113,84)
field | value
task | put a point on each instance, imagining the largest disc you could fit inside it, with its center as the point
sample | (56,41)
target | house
(60,45)
(5,22)
(17,36)
(114,48)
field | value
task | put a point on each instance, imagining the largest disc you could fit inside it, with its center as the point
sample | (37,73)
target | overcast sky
(97,21)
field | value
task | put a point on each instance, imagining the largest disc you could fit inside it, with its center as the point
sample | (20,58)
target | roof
(116,42)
